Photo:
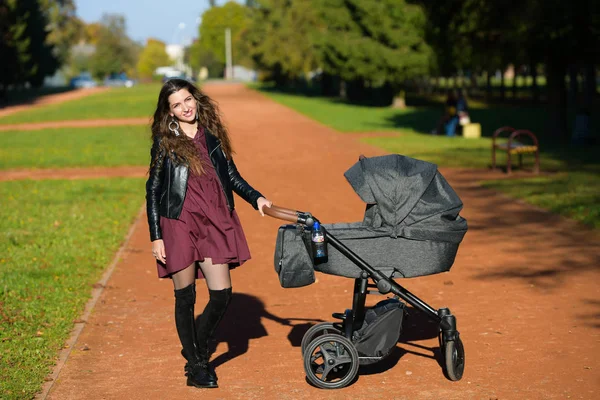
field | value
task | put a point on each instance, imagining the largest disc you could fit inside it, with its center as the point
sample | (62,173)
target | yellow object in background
(472,131)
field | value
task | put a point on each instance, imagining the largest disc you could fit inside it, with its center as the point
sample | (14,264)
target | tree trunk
(502,85)
(328,85)
(573,86)
(589,91)
(343,90)
(581,129)
(557,99)
(399,100)
(356,91)
(472,84)
(488,86)
(515,89)
(535,90)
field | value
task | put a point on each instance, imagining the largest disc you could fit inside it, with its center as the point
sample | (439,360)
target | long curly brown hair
(181,148)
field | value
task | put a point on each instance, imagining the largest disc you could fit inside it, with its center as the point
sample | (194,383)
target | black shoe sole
(212,385)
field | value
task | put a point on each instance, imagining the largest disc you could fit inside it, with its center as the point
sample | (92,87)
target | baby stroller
(411,228)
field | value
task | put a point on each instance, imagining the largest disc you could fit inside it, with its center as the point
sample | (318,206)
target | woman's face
(182,105)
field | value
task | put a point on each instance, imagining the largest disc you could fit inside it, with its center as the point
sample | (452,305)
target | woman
(194,229)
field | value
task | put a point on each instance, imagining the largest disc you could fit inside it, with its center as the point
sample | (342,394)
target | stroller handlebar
(286,214)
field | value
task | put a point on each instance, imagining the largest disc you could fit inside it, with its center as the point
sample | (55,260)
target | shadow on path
(242,322)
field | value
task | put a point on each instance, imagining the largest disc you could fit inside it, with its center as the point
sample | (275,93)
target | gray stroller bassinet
(411,228)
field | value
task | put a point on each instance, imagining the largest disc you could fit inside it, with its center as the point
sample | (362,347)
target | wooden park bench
(513,147)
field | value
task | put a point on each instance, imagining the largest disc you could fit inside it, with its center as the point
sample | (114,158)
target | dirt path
(89,123)
(524,288)
(51,99)
(73,173)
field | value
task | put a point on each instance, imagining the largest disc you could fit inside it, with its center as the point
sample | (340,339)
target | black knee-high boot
(209,320)
(197,366)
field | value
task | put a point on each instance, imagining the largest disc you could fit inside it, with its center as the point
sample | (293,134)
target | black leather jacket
(167,184)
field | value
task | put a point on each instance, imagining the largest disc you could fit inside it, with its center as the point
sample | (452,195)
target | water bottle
(318,244)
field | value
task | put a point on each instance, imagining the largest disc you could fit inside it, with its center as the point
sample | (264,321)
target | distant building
(176,53)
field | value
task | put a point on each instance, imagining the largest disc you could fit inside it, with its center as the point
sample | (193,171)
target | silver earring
(175,130)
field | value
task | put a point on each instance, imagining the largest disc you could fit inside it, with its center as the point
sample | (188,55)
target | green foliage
(26,53)
(378,42)
(57,238)
(74,147)
(280,38)
(138,101)
(371,44)
(198,57)
(212,30)
(115,52)
(154,55)
(64,27)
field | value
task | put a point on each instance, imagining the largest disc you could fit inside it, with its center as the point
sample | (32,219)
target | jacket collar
(211,141)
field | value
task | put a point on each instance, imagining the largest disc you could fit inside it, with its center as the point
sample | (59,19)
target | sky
(172,21)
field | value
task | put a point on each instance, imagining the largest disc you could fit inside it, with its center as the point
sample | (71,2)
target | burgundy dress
(206,228)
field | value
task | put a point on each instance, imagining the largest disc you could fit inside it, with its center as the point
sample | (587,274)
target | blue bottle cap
(316,225)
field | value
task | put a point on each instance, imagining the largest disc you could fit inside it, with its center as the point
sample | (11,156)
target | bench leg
(521,161)
(536,169)
(493,158)
(508,163)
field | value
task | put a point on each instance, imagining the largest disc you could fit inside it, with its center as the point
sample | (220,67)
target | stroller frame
(352,319)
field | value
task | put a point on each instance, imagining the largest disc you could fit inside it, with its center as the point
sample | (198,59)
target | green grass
(75,147)
(356,118)
(57,238)
(343,117)
(137,101)
(574,193)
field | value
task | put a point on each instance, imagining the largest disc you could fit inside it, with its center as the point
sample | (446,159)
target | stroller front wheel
(454,359)
(323,328)
(331,362)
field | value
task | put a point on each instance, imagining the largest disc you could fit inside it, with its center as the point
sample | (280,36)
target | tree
(63,25)
(23,27)
(197,57)
(91,33)
(489,34)
(154,55)
(212,30)
(280,38)
(562,35)
(115,52)
(372,44)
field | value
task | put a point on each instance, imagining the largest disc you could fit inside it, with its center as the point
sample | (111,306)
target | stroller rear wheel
(323,328)
(454,359)
(331,362)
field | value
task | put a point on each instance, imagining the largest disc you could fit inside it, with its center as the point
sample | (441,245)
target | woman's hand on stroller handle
(286,214)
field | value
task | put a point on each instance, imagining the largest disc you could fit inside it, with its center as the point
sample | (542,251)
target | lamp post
(179,46)
(228,61)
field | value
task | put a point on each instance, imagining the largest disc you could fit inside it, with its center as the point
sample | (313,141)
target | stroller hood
(408,198)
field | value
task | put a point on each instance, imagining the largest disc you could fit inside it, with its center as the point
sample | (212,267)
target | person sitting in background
(449,120)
